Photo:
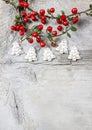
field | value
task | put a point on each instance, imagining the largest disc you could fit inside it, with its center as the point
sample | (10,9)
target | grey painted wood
(53,95)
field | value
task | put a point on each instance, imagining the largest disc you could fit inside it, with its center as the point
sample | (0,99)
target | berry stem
(53,17)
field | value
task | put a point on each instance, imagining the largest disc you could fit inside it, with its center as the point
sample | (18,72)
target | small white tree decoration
(16,49)
(74,54)
(48,55)
(31,54)
(62,47)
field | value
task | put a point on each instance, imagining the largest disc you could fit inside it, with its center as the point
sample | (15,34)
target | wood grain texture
(53,95)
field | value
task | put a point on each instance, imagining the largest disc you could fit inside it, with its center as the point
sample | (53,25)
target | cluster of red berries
(36,36)
(54,32)
(64,20)
(33,16)
(19,28)
(29,16)
(43,16)
(75,19)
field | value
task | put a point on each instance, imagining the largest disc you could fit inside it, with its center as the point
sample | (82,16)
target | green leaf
(39,16)
(56,40)
(73,28)
(69,35)
(58,16)
(48,11)
(17,17)
(90,6)
(62,12)
(69,18)
(90,13)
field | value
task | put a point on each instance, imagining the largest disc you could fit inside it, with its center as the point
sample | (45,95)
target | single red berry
(24,14)
(43,21)
(21,33)
(22,28)
(75,20)
(60,28)
(30,40)
(42,44)
(33,18)
(22,3)
(59,21)
(53,43)
(13,27)
(18,27)
(35,34)
(25,20)
(40,27)
(74,10)
(63,17)
(25,5)
(42,12)
(65,23)
(34,13)
(54,33)
(29,15)
(43,17)
(52,10)
(49,28)
(38,39)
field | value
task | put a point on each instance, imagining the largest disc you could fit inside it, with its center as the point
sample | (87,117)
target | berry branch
(26,15)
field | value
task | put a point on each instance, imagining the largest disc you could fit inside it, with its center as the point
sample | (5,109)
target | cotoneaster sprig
(25,15)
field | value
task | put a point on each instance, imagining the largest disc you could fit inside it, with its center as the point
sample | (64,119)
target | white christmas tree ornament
(74,54)
(62,47)
(48,55)
(16,49)
(31,55)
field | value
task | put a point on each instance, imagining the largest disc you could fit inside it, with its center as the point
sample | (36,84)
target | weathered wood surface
(53,95)
(86,59)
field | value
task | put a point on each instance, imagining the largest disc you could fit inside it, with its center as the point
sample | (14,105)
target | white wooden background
(46,96)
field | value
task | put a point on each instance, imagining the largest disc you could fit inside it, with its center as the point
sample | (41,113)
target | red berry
(54,33)
(26,5)
(59,21)
(35,34)
(42,44)
(33,18)
(75,20)
(65,23)
(63,17)
(59,28)
(40,27)
(18,27)
(22,28)
(43,21)
(25,20)
(49,28)
(29,15)
(30,40)
(52,10)
(43,17)
(38,39)
(34,13)
(74,10)
(42,12)
(20,1)
(13,28)
(21,33)
(24,14)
